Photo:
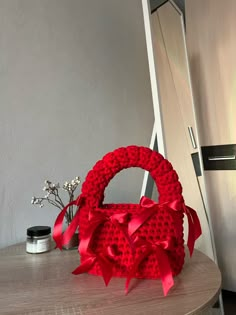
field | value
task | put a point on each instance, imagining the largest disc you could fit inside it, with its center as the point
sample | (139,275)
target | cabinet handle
(191,134)
(221,158)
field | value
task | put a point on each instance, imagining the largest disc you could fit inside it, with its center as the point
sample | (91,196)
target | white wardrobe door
(211,42)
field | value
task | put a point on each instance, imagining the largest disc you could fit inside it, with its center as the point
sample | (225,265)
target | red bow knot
(105,260)
(194,227)
(121,218)
(151,208)
(159,248)
(97,218)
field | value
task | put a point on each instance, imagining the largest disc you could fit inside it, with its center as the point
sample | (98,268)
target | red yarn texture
(164,223)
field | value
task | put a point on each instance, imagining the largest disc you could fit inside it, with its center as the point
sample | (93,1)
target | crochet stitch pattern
(111,233)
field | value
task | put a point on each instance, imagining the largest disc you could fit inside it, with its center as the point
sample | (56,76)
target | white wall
(74,84)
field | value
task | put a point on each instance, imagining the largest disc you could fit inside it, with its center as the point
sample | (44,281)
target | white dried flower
(52,196)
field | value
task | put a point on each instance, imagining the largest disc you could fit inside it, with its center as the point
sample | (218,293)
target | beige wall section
(211,45)
(74,84)
(177,108)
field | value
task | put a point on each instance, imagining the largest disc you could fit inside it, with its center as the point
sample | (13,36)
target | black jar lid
(38,231)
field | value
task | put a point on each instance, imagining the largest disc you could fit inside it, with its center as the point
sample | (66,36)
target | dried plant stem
(71,208)
(52,202)
(56,205)
(53,198)
(58,198)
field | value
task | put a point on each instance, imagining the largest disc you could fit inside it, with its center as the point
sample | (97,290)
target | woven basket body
(164,223)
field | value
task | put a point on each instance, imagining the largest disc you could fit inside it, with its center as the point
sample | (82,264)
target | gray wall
(74,84)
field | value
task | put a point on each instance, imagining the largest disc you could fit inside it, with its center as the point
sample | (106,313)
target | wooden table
(43,284)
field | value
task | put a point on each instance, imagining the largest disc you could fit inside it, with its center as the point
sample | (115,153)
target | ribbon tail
(139,220)
(132,273)
(194,227)
(69,232)
(85,266)
(129,278)
(191,234)
(165,270)
(57,230)
(196,222)
(106,268)
(126,235)
(85,241)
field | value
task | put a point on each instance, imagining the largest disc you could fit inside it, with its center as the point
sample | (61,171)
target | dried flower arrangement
(52,196)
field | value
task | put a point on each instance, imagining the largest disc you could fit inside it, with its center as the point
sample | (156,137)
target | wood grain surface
(43,284)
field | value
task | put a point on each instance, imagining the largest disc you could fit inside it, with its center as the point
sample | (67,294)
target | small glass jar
(38,239)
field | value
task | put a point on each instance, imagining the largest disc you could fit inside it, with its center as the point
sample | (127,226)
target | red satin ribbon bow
(136,221)
(194,227)
(159,249)
(152,207)
(63,238)
(97,218)
(105,260)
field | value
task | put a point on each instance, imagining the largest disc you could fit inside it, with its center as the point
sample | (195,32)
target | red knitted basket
(131,240)
(160,226)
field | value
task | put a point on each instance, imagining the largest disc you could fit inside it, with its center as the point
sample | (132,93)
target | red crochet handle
(161,170)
